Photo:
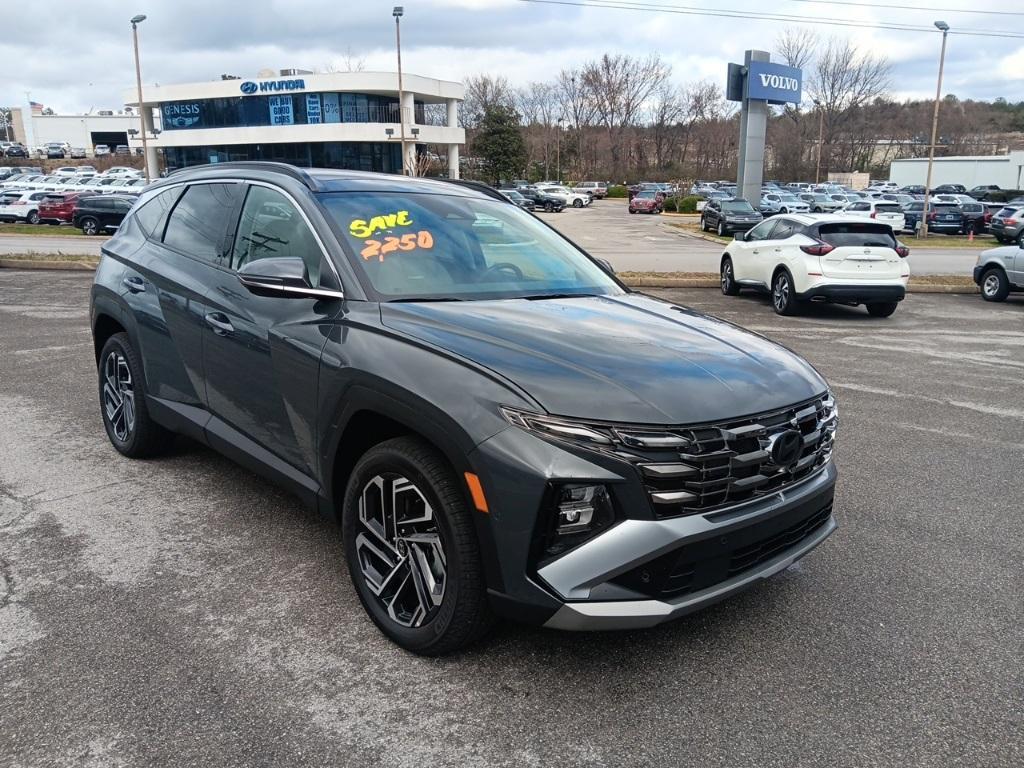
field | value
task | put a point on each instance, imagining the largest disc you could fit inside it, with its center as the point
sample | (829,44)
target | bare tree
(620,85)
(538,107)
(797,46)
(347,62)
(667,114)
(576,104)
(482,93)
(844,80)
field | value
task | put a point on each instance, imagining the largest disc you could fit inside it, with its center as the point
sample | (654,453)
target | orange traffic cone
(970,236)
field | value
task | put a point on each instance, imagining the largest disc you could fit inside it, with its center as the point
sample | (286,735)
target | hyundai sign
(248,87)
(775,83)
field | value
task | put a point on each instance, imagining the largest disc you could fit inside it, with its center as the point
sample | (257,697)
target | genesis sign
(775,83)
(248,87)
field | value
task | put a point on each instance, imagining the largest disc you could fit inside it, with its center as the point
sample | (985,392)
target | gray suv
(1007,225)
(1000,271)
(500,426)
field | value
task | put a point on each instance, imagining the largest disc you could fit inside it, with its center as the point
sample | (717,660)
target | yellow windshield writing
(362,229)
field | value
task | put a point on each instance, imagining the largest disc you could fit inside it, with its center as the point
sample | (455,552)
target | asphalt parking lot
(183,612)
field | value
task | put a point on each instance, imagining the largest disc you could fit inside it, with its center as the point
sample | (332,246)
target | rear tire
(995,286)
(436,599)
(33,217)
(882,308)
(703,224)
(783,299)
(122,391)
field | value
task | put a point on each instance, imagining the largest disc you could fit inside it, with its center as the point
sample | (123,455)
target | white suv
(816,257)
(566,195)
(886,211)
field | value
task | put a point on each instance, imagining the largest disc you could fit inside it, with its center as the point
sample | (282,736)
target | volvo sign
(757,83)
(775,83)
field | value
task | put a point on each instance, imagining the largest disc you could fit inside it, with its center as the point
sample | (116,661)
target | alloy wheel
(399,549)
(118,396)
(780,295)
(726,276)
(990,287)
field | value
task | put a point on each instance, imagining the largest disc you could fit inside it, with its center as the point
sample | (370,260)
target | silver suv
(782,202)
(999,271)
(1007,225)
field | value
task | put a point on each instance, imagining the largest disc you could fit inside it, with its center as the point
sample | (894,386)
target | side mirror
(282,277)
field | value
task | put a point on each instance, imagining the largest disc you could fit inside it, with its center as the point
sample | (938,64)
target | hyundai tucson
(500,426)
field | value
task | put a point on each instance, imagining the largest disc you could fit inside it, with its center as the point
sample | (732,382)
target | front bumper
(713,547)
(859,294)
(978,271)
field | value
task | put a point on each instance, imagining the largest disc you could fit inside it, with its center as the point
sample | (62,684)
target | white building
(86,131)
(1001,170)
(335,120)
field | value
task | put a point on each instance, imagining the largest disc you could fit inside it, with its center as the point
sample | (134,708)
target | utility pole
(136,20)
(923,231)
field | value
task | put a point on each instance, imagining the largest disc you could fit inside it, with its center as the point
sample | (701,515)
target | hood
(629,358)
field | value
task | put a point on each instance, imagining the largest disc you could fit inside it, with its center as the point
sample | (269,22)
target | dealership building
(334,120)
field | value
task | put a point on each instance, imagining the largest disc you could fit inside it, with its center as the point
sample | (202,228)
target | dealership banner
(281,112)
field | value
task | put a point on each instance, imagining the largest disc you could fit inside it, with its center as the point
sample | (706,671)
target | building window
(281,109)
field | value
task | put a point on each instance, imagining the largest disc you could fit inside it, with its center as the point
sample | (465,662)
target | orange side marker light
(477,492)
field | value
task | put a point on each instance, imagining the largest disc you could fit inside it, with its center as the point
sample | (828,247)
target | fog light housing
(576,513)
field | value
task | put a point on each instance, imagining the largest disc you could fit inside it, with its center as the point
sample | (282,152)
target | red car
(57,208)
(647,201)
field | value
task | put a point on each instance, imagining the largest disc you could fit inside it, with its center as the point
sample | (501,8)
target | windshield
(737,206)
(415,246)
(647,195)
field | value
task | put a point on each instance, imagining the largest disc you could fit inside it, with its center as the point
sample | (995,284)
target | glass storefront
(282,109)
(352,155)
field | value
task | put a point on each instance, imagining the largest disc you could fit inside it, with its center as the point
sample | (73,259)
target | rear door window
(153,214)
(198,223)
(853,234)
(783,228)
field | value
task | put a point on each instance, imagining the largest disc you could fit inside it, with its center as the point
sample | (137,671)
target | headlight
(574,514)
(555,427)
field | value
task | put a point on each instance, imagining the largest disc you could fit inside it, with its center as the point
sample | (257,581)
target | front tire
(33,217)
(994,285)
(783,297)
(89,226)
(549,207)
(882,308)
(577,203)
(123,401)
(721,229)
(411,549)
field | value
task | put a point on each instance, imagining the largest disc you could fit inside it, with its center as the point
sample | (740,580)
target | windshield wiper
(539,296)
(410,299)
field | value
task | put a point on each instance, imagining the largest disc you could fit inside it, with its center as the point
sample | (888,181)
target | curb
(47,264)
(711,281)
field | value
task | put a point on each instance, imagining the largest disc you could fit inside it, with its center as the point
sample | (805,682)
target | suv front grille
(698,469)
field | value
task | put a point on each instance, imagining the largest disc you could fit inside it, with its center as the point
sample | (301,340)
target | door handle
(134,284)
(220,323)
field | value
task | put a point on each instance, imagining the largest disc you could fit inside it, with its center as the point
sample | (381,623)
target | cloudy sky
(76,56)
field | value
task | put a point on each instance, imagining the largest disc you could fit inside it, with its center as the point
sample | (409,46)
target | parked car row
(58,150)
(120,180)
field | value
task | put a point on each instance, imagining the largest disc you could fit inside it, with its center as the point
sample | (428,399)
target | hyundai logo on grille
(249,87)
(786,448)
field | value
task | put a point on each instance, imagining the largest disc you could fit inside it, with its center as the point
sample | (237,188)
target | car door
(114,214)
(166,282)
(772,251)
(746,253)
(262,353)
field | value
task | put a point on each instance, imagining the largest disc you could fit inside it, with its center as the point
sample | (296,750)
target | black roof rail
(299,174)
(479,186)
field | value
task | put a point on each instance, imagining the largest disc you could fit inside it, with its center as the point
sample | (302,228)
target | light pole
(923,231)
(558,150)
(136,20)
(397,12)
(821,137)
